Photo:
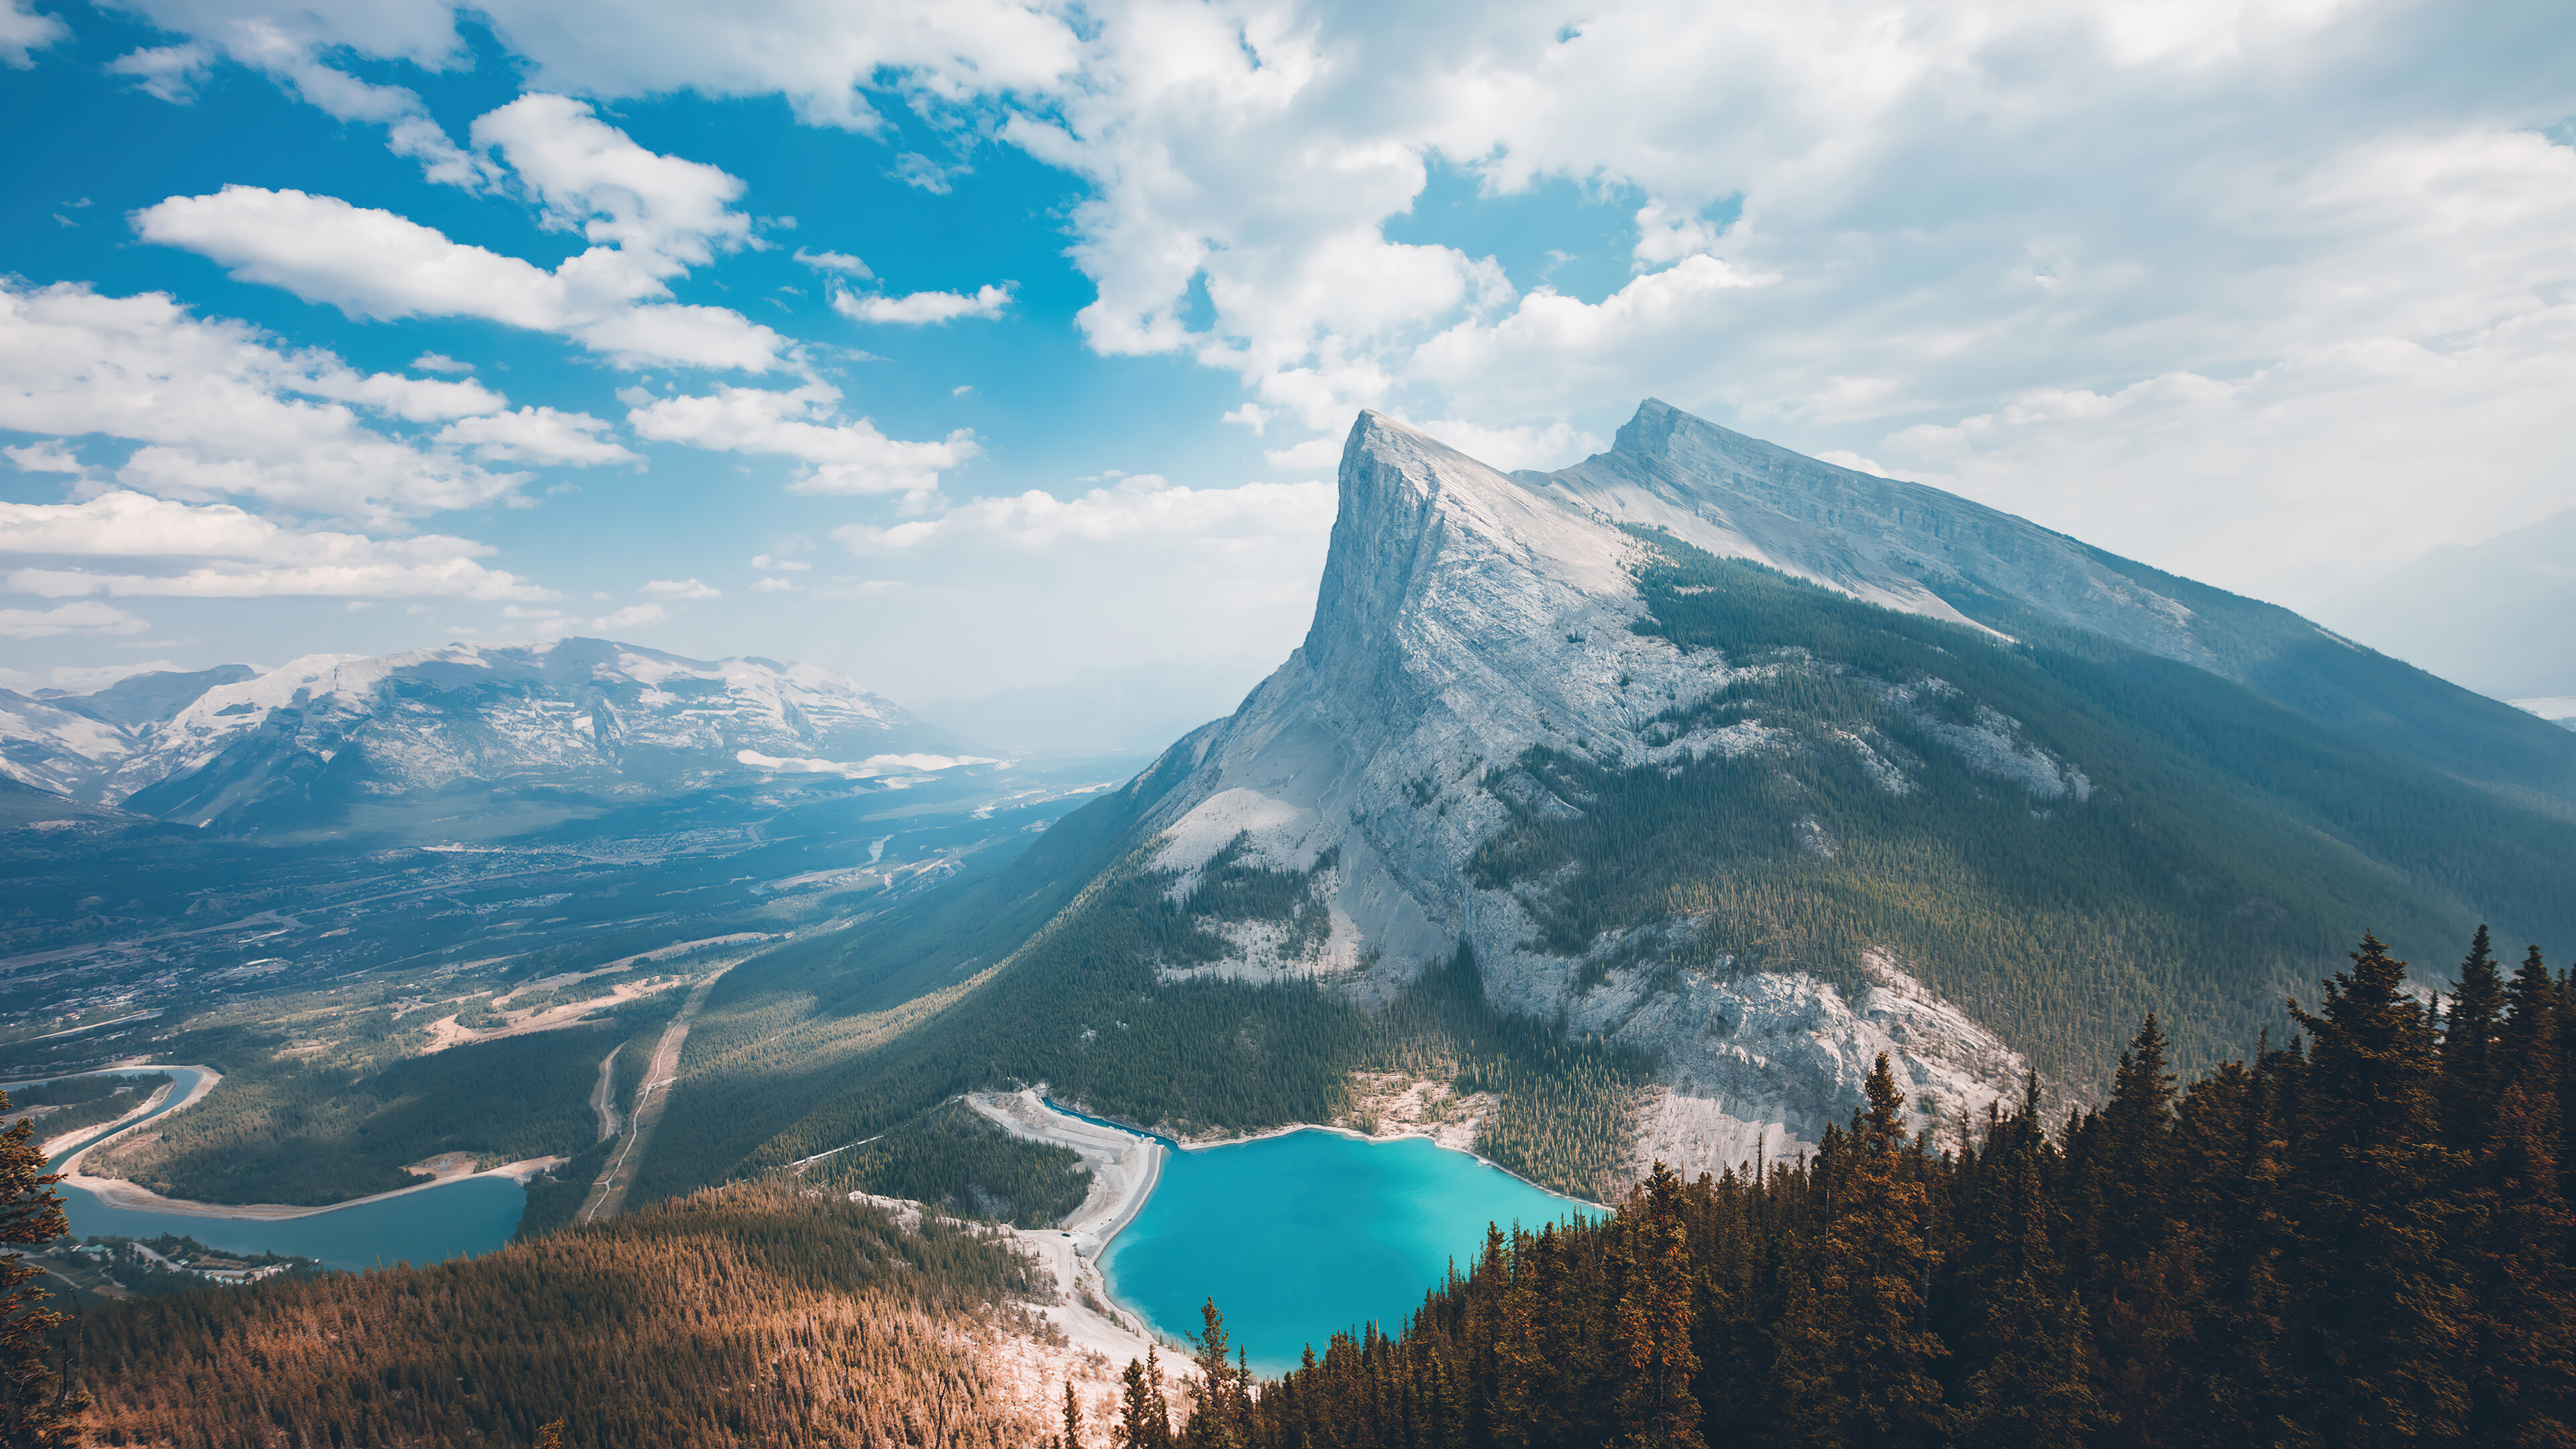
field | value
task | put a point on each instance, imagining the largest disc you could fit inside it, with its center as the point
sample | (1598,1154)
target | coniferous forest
(749,1314)
(2359,1237)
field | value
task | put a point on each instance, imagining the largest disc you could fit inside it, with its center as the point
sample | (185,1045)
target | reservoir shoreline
(1205,1144)
(1127,1165)
(1303,1235)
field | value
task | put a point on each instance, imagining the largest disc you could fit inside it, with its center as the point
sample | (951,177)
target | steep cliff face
(1764,835)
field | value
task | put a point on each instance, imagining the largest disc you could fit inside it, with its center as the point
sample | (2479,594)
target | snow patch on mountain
(51,748)
(1274,835)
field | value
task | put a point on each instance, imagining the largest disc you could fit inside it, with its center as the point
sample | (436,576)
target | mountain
(1645,803)
(335,739)
(2492,616)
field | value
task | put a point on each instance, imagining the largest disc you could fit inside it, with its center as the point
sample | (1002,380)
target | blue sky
(976,344)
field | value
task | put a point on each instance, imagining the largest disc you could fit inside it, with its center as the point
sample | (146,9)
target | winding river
(464,1217)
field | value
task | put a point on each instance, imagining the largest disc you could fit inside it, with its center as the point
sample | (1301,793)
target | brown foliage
(750,1314)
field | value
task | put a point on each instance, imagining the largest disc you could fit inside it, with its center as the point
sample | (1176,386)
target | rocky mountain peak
(1423,529)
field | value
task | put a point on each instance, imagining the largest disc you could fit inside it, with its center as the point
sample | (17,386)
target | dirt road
(603,1098)
(608,1195)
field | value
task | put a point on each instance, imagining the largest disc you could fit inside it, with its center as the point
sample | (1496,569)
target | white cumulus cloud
(243,555)
(23,30)
(841,262)
(631,617)
(166,72)
(218,408)
(664,213)
(372,263)
(838,457)
(918,308)
(537,435)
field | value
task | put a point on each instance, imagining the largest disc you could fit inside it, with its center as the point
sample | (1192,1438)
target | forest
(287,1129)
(2360,1237)
(750,1314)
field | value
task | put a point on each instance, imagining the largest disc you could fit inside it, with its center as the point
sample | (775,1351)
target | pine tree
(2525,1364)
(1876,1263)
(1218,1398)
(1656,1407)
(2529,1041)
(2472,1048)
(2238,1377)
(1137,1427)
(1072,1419)
(1158,1407)
(2032,1391)
(2388,1336)
(38,1405)
(2138,1277)
(2137,1125)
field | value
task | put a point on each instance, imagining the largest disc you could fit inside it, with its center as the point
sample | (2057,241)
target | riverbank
(154,1105)
(76,1145)
(116,1192)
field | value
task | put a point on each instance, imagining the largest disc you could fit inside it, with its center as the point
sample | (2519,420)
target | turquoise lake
(1310,1234)
(452,1220)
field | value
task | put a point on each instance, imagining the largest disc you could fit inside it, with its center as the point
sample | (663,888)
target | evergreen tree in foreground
(37,1406)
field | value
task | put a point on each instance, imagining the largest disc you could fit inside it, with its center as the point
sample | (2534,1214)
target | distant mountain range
(1726,770)
(2497,616)
(334,739)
